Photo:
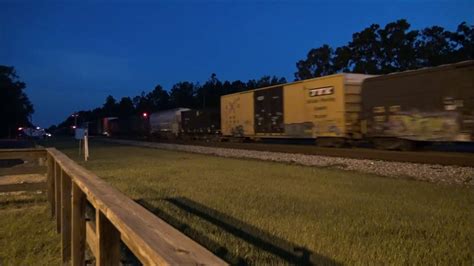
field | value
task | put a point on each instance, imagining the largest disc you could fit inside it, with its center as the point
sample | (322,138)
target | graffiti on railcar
(304,129)
(419,125)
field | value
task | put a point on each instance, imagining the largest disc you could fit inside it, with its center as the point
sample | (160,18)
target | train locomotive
(393,111)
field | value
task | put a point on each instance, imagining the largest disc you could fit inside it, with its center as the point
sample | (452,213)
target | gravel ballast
(424,172)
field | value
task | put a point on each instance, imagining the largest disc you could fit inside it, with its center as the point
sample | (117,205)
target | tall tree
(110,106)
(381,50)
(463,40)
(434,47)
(377,50)
(15,107)
(158,99)
(397,47)
(319,62)
(365,51)
(142,103)
(208,95)
(125,107)
(183,95)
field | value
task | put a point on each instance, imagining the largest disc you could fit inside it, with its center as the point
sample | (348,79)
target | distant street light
(145,115)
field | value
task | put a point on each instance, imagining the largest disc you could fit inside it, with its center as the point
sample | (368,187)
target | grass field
(27,232)
(254,212)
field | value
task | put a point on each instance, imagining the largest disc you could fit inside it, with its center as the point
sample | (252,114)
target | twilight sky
(72,54)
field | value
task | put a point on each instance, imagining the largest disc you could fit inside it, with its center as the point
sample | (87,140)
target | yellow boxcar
(321,107)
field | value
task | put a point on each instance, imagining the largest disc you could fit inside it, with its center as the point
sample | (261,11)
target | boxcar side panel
(435,104)
(205,121)
(237,114)
(294,117)
(324,104)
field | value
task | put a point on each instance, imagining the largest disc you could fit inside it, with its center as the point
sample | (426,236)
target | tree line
(15,107)
(395,47)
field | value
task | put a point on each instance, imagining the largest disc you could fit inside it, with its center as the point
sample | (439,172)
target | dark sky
(72,54)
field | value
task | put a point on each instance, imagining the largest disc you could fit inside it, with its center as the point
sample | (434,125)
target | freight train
(393,111)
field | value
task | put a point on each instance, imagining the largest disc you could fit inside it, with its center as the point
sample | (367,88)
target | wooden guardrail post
(50,180)
(65,217)
(57,195)
(78,244)
(108,251)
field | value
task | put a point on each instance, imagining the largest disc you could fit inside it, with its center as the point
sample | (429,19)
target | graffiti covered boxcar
(430,104)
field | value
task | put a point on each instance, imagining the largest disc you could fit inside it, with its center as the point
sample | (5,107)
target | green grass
(27,232)
(338,216)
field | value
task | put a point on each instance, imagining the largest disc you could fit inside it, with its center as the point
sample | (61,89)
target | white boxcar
(167,122)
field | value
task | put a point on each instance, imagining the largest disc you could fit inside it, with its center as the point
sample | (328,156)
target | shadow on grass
(287,251)
(211,245)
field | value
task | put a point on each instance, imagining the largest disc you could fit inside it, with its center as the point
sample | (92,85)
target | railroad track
(425,157)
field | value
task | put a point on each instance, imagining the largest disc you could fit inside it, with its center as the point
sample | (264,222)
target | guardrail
(116,218)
